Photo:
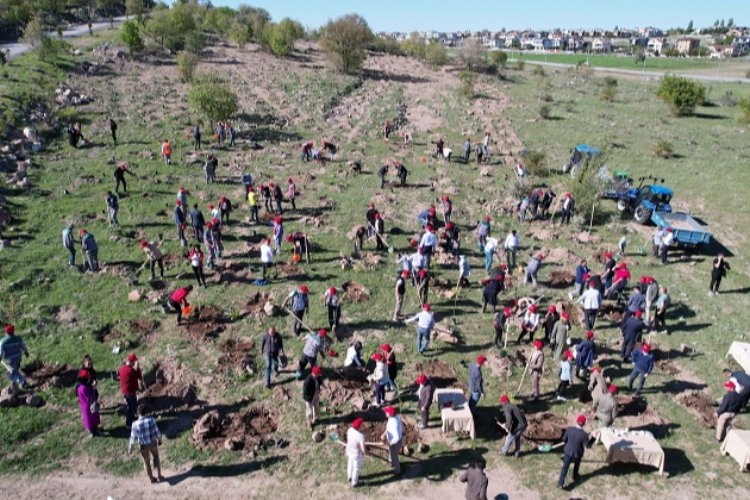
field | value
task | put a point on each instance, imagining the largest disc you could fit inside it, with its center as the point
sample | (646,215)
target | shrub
(195,41)
(682,95)
(534,163)
(609,81)
(279,38)
(468,79)
(210,96)
(386,45)
(345,42)
(498,60)
(586,188)
(520,65)
(608,93)
(240,34)
(744,105)
(435,54)
(663,149)
(186,64)
(414,46)
(471,55)
(131,37)
(539,71)
(545,111)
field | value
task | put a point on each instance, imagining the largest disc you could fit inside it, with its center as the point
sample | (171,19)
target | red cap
(507,311)
(431,211)
(404,273)
(422,273)
(638,314)
(592,283)
(277,219)
(538,344)
(449,225)
(480,360)
(581,420)
(650,280)
(377,215)
(377,356)
(427,307)
(646,347)
(132,358)
(177,202)
(304,289)
(532,308)
(210,206)
(445,197)
(567,355)
(421,379)
(390,410)
(83,373)
(10,329)
(504,399)
(730,385)
(358,422)
(289,180)
(315,370)
(289,238)
(669,229)
(589,334)
(332,291)
(210,224)
(144,243)
(487,218)
(595,369)
(270,184)
(612,389)
(608,255)
(624,265)
(567,195)
(182,188)
(322,333)
(82,231)
(565,316)
(372,205)
(386,347)
(644,279)
(552,309)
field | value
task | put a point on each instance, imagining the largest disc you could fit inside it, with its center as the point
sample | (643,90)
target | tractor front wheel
(642,214)
(622,205)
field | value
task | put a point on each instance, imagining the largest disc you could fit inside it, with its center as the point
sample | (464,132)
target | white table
(638,447)
(740,351)
(457,417)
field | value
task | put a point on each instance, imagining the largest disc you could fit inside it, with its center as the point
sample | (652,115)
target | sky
(451,15)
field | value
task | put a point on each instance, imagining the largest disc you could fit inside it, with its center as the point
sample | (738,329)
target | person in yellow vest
(252,202)
(166,152)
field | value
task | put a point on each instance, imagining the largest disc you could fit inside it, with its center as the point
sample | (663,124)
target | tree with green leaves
(240,34)
(435,54)
(136,9)
(131,37)
(681,94)
(345,42)
(211,97)
(414,46)
(689,28)
(279,38)
(170,27)
(498,60)
(186,64)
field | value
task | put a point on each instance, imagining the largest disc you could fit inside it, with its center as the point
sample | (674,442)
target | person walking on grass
(195,257)
(425,322)
(632,333)
(272,346)
(252,203)
(511,249)
(501,319)
(265,194)
(180,221)
(643,364)
(476,383)
(278,233)
(549,322)
(90,250)
(266,257)
(119,175)
(197,221)
(333,304)
(178,301)
(131,381)
(719,269)
(12,350)
(154,256)
(559,337)
(355,450)
(483,231)
(209,242)
(197,137)
(425,392)
(379,378)
(88,400)
(300,305)
(492,288)
(389,356)
(113,130)
(666,242)
(166,152)
(399,291)
(490,248)
(604,409)
(314,344)
(476,481)
(576,441)
(585,354)
(393,436)
(515,424)
(311,395)
(730,406)
(69,243)
(591,300)
(278,197)
(145,433)
(536,367)
(566,375)
(113,206)
(291,193)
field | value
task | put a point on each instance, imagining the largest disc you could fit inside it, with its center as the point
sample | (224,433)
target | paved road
(647,74)
(16,49)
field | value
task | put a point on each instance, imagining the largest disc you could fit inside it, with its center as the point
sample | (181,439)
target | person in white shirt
(405,261)
(428,243)
(591,300)
(266,255)
(490,247)
(425,322)
(511,249)
(380,378)
(530,323)
(393,435)
(666,242)
(354,355)
(464,271)
(355,450)
(417,261)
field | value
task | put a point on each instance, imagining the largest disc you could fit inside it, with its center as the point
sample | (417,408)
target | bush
(663,149)
(744,105)
(468,79)
(345,42)
(609,81)
(470,55)
(586,188)
(538,71)
(131,37)
(186,64)
(534,163)
(498,60)
(240,34)
(195,41)
(435,54)
(386,45)
(520,65)
(682,95)
(545,111)
(280,38)
(608,93)
(210,96)
(414,46)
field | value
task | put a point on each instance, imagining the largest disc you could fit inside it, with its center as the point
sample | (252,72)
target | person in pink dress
(88,399)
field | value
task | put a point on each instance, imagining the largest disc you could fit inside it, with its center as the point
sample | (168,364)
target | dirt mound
(291,271)
(541,234)
(237,356)
(668,367)
(611,312)
(44,375)
(167,390)
(442,375)
(561,278)
(245,430)
(374,427)
(260,306)
(356,292)
(635,414)
(500,367)
(107,334)
(599,255)
(205,325)
(144,327)
(545,427)
(346,387)
(699,404)
(67,315)
(629,406)
(281,393)
(560,255)
(586,238)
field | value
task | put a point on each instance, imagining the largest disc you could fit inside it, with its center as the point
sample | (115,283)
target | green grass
(625,62)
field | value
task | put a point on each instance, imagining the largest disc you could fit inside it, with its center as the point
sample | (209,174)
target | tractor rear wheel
(642,214)
(622,205)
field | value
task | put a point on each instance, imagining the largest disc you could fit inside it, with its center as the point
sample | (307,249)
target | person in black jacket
(718,271)
(632,332)
(271,346)
(311,395)
(741,378)
(730,406)
(113,130)
(515,424)
(550,319)
(576,441)
(424,393)
(491,290)
(119,175)
(197,221)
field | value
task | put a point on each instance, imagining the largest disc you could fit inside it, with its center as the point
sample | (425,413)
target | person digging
(311,395)
(154,257)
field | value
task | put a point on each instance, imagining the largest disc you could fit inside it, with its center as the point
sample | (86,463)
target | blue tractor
(642,200)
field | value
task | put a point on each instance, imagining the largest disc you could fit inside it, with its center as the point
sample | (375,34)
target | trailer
(687,231)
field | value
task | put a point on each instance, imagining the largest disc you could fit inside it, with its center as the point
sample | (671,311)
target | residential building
(687,45)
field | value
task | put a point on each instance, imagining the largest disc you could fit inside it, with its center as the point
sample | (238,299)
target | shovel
(546,448)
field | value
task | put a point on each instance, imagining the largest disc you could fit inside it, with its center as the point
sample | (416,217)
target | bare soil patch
(145,328)
(634,413)
(699,404)
(260,306)
(611,312)
(44,375)
(204,325)
(561,278)
(356,292)
(441,374)
(560,255)
(344,387)
(237,356)
(248,430)
(374,427)
(167,389)
(545,426)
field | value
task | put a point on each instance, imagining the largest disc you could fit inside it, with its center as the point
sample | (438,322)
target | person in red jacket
(178,300)
(131,380)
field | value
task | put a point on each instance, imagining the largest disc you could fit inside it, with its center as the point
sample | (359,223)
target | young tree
(468,79)
(279,38)
(499,59)
(210,96)
(240,34)
(135,8)
(186,64)
(131,37)
(435,54)
(414,46)
(471,55)
(345,42)
(681,94)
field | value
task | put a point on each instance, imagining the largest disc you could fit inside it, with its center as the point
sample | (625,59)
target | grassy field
(41,295)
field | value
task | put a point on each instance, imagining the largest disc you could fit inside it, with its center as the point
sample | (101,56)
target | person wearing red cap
(209,241)
(609,269)
(355,450)
(532,269)
(428,243)
(566,375)
(591,300)
(88,401)
(278,197)
(536,367)
(632,333)
(451,238)
(476,382)
(741,380)
(300,305)
(314,344)
(380,378)
(265,193)
(90,250)
(379,232)
(550,319)
(131,381)
(492,287)
(306,151)
(447,208)
(291,193)
(179,219)
(333,305)
(425,392)
(225,209)
(568,206)
(154,256)
(177,301)
(576,441)
(311,395)
(560,336)
(643,363)
(12,350)
(278,233)
(119,175)
(621,279)
(585,354)
(425,321)
(498,323)
(399,291)
(530,324)
(394,436)
(483,231)
(389,356)
(422,282)
(515,424)
(604,408)
(730,406)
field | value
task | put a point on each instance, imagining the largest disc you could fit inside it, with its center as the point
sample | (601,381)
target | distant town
(719,41)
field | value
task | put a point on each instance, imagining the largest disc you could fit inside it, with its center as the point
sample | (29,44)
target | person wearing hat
(632,333)
(493,286)
(278,197)
(511,247)
(422,282)
(311,395)
(501,318)
(278,233)
(719,269)
(382,173)
(272,346)
(355,450)
(567,208)
(12,349)
(474,476)
(450,238)
(476,382)
(146,434)
(314,344)
(353,359)
(550,319)
(425,321)
(582,272)
(428,242)
(597,384)
(225,207)
(265,193)
(532,269)
(179,220)
(399,292)
(621,278)
(536,367)
(300,304)
(394,436)
(483,231)
(154,256)
(643,364)
(380,378)
(401,173)
(90,250)
(195,257)
(566,375)
(585,353)
(447,207)
(666,242)
(178,300)
(88,400)
(333,305)
(560,336)
(291,193)
(515,424)
(119,175)
(576,441)
(530,323)
(425,392)
(389,356)
(69,242)
(252,203)
(730,406)
(182,197)
(604,408)
(741,381)
(197,221)
(663,301)
(113,206)
(131,380)
(379,233)
(591,300)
